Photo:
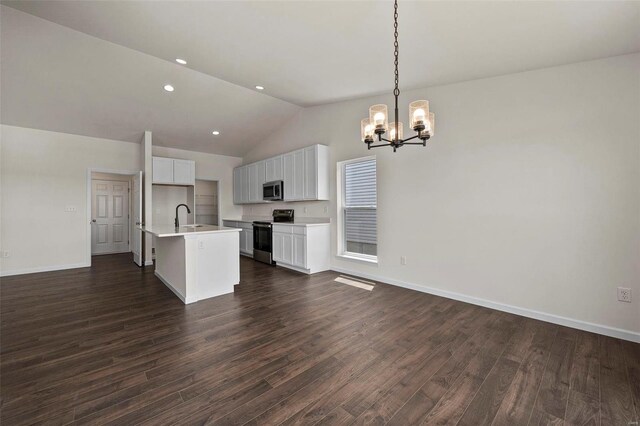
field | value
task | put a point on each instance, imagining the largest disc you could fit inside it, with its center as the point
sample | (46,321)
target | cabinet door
(294,175)
(287,248)
(310,173)
(276,246)
(273,169)
(299,175)
(162,170)
(245,185)
(256,180)
(243,241)
(237,185)
(300,251)
(289,176)
(249,240)
(184,172)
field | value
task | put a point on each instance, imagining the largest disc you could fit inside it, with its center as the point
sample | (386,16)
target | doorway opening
(114,208)
(207,205)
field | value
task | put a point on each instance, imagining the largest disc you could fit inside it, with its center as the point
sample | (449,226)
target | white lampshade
(379,118)
(392,131)
(418,115)
(366,131)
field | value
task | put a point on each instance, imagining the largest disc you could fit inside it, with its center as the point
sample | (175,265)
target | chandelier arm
(378,146)
(412,137)
(413,143)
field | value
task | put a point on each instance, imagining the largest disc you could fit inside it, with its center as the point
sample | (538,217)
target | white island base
(198,263)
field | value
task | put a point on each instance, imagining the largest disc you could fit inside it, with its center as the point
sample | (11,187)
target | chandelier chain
(396,91)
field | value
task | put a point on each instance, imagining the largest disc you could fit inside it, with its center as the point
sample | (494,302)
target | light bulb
(418,114)
(379,118)
(368,129)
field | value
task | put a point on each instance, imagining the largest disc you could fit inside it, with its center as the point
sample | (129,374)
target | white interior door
(109,217)
(136,234)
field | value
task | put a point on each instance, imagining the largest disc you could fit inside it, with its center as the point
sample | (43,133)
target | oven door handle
(261,226)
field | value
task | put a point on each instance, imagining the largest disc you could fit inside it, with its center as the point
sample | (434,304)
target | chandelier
(421,120)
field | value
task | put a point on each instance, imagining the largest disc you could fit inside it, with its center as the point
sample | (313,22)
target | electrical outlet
(624,294)
(201,245)
(403,260)
(326,209)
(304,210)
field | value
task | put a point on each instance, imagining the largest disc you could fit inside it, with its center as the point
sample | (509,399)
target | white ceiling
(304,53)
(317,52)
(57,79)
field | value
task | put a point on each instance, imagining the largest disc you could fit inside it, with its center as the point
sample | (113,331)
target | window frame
(342,211)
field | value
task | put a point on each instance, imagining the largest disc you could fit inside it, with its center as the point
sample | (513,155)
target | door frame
(219,211)
(90,170)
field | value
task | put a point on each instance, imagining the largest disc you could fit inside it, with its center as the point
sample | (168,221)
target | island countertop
(162,231)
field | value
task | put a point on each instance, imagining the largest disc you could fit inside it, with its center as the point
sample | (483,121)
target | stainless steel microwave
(272,191)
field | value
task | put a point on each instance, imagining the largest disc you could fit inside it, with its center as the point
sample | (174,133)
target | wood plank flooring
(112,345)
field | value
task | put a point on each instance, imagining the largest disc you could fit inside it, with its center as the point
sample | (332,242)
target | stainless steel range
(262,238)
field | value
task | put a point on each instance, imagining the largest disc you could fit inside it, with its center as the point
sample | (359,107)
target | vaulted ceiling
(101,70)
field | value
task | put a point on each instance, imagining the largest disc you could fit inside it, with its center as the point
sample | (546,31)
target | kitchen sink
(191,226)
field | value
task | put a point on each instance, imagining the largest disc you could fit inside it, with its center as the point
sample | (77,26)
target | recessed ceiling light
(181,61)
(215,133)
(259,87)
(168,88)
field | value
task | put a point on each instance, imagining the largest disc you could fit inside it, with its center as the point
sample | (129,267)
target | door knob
(93,220)
(137,223)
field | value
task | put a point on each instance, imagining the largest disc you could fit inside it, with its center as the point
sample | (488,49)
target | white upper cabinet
(256,180)
(244,195)
(273,169)
(294,175)
(237,185)
(184,172)
(162,170)
(304,172)
(173,171)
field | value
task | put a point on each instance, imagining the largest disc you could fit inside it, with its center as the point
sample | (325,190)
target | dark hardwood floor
(111,344)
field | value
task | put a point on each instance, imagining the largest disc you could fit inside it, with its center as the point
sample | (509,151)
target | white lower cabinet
(246,235)
(304,248)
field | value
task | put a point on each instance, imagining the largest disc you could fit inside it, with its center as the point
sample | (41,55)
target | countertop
(170,231)
(304,221)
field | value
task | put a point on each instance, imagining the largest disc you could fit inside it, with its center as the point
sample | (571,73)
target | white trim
(294,268)
(340,191)
(148,263)
(170,287)
(361,258)
(43,269)
(619,333)
(90,170)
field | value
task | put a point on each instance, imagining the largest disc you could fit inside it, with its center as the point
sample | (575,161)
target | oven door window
(262,238)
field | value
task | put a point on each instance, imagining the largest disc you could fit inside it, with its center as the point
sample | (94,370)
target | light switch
(70,209)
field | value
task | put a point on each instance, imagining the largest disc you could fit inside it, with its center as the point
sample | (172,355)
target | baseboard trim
(44,269)
(148,263)
(170,287)
(525,312)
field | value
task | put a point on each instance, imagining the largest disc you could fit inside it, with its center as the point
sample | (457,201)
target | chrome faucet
(177,222)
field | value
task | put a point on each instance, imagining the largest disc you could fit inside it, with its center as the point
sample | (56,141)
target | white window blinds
(360,202)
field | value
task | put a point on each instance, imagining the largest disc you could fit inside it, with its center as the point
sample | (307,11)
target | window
(358,204)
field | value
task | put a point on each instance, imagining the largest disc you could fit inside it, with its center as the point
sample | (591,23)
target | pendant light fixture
(421,120)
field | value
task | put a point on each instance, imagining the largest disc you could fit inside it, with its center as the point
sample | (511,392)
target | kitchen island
(196,262)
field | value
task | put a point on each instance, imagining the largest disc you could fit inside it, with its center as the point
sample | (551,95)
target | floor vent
(354,283)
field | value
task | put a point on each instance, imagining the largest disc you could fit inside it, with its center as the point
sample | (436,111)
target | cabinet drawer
(290,229)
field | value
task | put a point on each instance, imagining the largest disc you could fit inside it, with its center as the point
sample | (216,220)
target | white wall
(527,196)
(42,173)
(165,200)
